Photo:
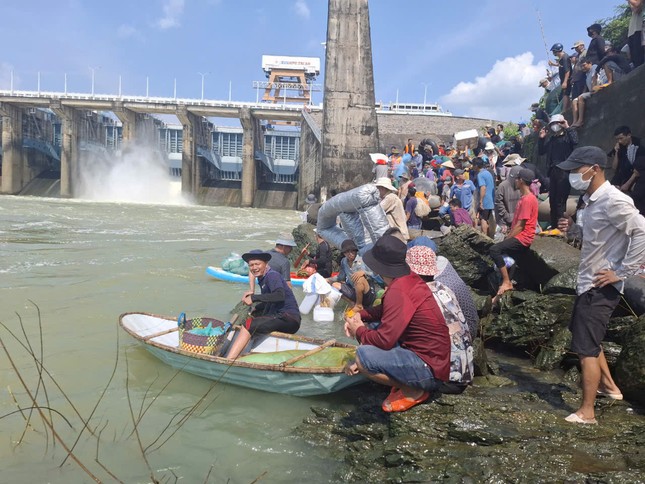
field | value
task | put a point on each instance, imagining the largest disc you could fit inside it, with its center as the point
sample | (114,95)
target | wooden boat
(160,337)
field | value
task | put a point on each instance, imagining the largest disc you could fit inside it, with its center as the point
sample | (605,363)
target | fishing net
(235,264)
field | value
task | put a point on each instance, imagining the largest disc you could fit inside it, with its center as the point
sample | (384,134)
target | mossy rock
(563,283)
(630,366)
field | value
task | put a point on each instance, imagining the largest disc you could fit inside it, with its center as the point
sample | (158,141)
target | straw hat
(513,160)
(448,164)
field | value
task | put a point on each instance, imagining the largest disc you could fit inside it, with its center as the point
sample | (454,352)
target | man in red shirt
(410,348)
(522,232)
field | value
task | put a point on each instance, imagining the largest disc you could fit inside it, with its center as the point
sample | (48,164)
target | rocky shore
(508,426)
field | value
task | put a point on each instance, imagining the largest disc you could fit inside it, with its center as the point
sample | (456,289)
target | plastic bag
(235,264)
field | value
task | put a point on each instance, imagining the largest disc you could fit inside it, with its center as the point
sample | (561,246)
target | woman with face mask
(557,147)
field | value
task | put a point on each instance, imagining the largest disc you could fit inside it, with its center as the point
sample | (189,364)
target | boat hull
(158,335)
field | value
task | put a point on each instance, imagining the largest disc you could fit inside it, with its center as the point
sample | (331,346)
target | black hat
(256,254)
(526,175)
(595,27)
(387,257)
(347,245)
(585,155)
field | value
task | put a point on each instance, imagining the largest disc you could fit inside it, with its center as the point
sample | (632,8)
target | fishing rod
(546,49)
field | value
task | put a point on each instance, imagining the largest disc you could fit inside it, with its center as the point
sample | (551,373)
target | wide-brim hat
(387,257)
(513,160)
(285,239)
(347,245)
(422,260)
(385,183)
(448,164)
(489,146)
(376,157)
(311,198)
(256,254)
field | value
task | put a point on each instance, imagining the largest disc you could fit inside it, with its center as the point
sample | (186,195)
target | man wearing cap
(393,207)
(561,142)
(353,279)
(564,72)
(596,49)
(284,244)
(522,232)
(578,76)
(613,249)
(277,309)
(409,351)
(516,160)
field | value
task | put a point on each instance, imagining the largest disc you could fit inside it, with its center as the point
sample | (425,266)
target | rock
(556,255)
(563,283)
(304,234)
(484,304)
(480,358)
(612,352)
(531,323)
(618,327)
(630,367)
(634,294)
(550,355)
(467,250)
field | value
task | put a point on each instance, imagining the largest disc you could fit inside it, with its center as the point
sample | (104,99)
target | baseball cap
(585,155)
(576,44)
(526,175)
(514,172)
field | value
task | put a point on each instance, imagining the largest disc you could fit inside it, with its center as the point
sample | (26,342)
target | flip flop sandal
(395,394)
(403,403)
(575,418)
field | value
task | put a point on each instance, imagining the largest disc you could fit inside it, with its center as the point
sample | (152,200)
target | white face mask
(576,181)
(556,128)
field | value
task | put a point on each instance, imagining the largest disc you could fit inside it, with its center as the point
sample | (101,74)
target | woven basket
(197,343)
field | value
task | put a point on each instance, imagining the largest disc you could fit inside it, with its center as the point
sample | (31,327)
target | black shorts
(576,89)
(567,91)
(283,322)
(350,293)
(591,313)
(484,213)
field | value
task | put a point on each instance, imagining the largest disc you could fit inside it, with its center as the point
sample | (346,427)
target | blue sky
(479,58)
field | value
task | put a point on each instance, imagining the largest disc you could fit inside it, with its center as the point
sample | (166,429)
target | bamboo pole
(295,359)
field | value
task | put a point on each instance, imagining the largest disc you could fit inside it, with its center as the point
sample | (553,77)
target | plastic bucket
(308,303)
(323,315)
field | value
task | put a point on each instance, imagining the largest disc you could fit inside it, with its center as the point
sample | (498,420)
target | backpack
(422,208)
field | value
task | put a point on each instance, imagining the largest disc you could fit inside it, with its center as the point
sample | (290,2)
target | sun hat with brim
(387,257)
(513,160)
(489,146)
(422,260)
(285,239)
(404,175)
(556,118)
(448,164)
(585,155)
(576,44)
(376,157)
(256,254)
(347,245)
(311,198)
(385,183)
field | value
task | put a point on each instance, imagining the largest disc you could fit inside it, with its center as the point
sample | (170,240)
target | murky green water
(83,263)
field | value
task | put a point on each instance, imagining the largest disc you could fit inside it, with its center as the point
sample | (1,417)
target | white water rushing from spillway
(85,262)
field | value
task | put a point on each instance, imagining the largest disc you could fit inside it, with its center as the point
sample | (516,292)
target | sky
(476,58)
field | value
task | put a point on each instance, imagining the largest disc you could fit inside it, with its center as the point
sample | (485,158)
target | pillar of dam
(128,120)
(13,156)
(350,127)
(190,177)
(69,153)
(251,128)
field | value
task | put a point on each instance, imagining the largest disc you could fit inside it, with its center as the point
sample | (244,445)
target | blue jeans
(400,364)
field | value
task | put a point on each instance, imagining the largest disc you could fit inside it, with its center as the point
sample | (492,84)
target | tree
(614,29)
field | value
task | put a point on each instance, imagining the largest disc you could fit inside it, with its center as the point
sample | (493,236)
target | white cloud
(302,9)
(504,93)
(172,11)
(126,31)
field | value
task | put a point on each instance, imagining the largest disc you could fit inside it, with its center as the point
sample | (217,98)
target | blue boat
(292,376)
(222,275)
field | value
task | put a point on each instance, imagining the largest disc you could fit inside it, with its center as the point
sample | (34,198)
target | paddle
(296,264)
(308,353)
(176,328)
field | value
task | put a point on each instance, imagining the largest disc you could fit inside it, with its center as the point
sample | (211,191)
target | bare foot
(504,287)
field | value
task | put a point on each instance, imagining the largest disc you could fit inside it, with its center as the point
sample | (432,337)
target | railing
(155,100)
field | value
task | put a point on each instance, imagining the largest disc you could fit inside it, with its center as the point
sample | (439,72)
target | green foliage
(614,29)
(511,129)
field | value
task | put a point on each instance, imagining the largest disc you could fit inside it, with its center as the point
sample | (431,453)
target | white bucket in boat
(334,296)
(308,303)
(323,315)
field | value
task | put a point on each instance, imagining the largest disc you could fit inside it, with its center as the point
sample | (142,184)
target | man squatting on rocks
(410,349)
(613,248)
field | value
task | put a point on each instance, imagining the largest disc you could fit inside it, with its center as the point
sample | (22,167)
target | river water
(81,264)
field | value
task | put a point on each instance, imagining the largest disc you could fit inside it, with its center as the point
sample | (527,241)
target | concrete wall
(622,103)
(232,197)
(310,161)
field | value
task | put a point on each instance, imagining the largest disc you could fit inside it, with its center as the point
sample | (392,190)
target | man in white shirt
(613,248)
